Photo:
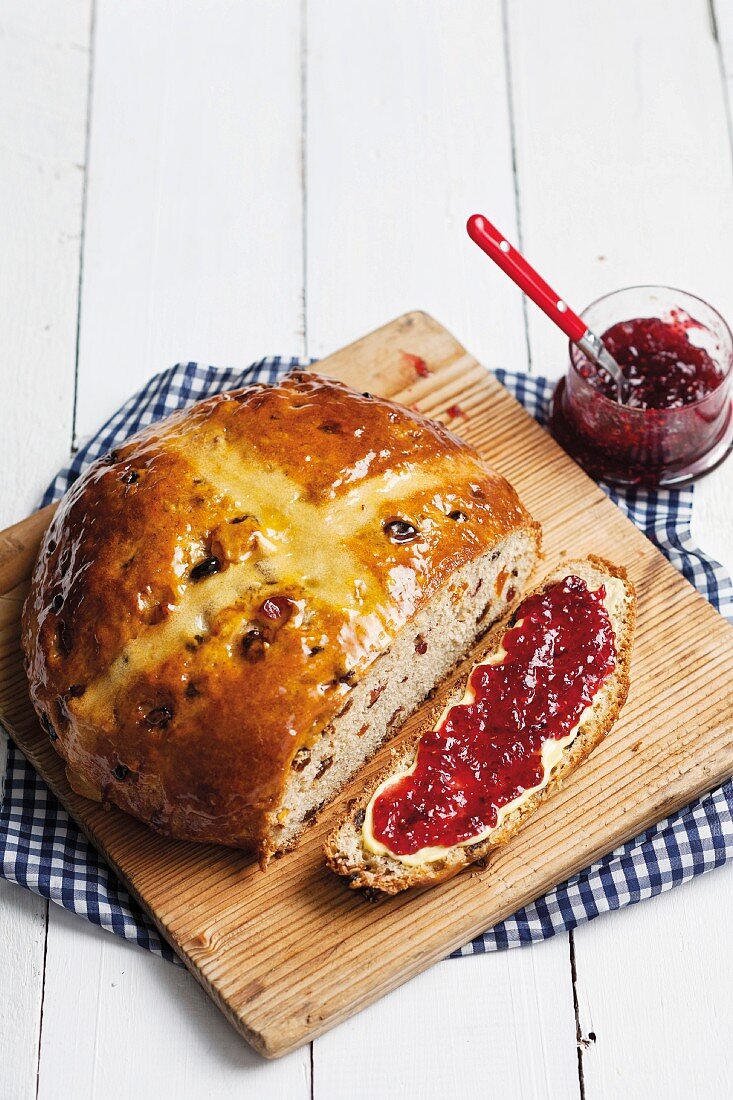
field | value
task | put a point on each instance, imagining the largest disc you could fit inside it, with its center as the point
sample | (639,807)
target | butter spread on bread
(232,610)
(546,691)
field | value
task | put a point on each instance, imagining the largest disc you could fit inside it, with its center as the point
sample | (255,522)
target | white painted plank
(623,157)
(723,27)
(712,524)
(193,232)
(654,990)
(494,1025)
(625,177)
(43,87)
(127,1024)
(22,939)
(408,133)
(192,250)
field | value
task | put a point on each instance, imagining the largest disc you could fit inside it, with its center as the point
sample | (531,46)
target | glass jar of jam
(676,353)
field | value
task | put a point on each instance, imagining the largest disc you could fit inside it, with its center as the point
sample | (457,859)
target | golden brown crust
(172,690)
(362,875)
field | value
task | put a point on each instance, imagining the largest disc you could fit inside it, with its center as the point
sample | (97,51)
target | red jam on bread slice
(522,707)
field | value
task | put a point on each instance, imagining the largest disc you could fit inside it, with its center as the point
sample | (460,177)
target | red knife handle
(513,264)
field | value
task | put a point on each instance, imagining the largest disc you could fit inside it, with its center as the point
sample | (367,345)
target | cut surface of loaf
(218,602)
(349,852)
(400,679)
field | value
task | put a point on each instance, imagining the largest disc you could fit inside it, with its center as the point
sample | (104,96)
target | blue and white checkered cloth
(42,848)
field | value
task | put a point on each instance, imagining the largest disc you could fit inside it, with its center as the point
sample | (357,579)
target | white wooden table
(223,180)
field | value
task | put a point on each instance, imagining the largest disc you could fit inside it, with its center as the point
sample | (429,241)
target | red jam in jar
(663,369)
(488,752)
(676,353)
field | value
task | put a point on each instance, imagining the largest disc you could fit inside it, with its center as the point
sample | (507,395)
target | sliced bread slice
(346,850)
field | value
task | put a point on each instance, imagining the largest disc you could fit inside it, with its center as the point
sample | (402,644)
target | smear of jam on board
(486,753)
(664,369)
(417,363)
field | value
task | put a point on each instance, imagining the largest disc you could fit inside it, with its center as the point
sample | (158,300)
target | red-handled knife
(513,264)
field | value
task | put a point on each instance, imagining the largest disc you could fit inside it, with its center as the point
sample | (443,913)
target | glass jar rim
(633,412)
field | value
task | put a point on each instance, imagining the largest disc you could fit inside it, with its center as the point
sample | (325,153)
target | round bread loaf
(221,603)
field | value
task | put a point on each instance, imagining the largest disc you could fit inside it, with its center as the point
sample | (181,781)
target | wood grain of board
(289,953)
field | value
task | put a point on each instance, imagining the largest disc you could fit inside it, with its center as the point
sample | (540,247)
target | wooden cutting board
(289,953)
